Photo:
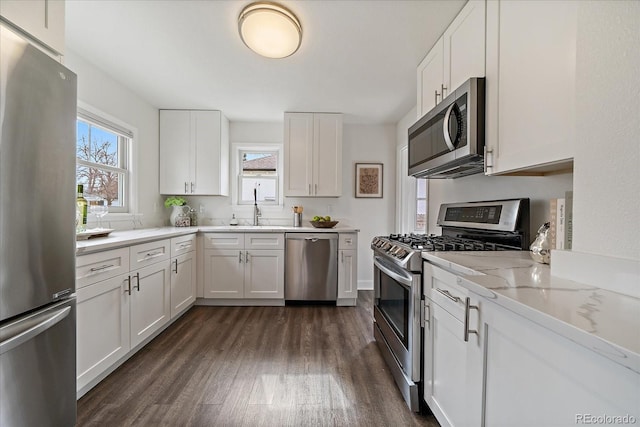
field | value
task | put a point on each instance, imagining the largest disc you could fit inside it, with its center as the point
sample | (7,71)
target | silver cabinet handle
(246,256)
(153,255)
(488,159)
(309,189)
(176,266)
(316,192)
(442,89)
(437,94)
(128,289)
(240,256)
(342,257)
(29,328)
(185,187)
(137,286)
(425,313)
(103,267)
(467,308)
(448,295)
(192,187)
(185,245)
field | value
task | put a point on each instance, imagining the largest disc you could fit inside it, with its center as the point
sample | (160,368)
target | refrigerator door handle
(21,333)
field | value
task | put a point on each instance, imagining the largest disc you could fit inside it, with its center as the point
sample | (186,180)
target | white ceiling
(357,57)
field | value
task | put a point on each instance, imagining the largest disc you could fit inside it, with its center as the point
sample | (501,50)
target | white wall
(100,92)
(607,162)
(361,143)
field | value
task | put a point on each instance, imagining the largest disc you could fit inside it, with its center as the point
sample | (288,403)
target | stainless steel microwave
(448,141)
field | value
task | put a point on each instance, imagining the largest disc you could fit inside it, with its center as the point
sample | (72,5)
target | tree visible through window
(101,163)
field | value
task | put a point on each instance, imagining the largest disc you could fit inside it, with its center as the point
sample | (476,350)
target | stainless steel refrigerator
(37,237)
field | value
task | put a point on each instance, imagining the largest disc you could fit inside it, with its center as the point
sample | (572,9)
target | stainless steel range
(397,260)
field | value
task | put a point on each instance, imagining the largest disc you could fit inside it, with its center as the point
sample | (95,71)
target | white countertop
(119,239)
(604,321)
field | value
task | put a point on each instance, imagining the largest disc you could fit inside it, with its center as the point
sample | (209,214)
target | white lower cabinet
(535,377)
(453,368)
(347,273)
(347,269)
(253,270)
(102,327)
(116,314)
(150,301)
(183,282)
(512,371)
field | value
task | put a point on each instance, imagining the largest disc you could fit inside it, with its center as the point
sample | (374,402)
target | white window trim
(236,149)
(132,179)
(406,196)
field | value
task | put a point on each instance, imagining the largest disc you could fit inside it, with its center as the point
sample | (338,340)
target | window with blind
(102,160)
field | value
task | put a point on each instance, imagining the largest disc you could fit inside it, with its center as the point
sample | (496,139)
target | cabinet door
(223,273)
(348,274)
(264,274)
(464,46)
(42,19)
(448,367)
(430,79)
(175,152)
(327,154)
(150,301)
(298,154)
(208,154)
(183,282)
(529,367)
(531,74)
(102,327)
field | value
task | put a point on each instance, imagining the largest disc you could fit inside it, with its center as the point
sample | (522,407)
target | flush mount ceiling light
(269,29)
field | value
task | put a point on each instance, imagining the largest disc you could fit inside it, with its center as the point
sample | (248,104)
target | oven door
(397,313)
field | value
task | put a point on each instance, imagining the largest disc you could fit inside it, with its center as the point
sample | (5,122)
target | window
(102,159)
(258,170)
(421,205)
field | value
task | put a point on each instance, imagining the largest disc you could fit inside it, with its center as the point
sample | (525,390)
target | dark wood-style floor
(256,366)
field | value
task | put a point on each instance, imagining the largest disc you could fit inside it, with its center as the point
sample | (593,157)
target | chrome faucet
(256,210)
(256,214)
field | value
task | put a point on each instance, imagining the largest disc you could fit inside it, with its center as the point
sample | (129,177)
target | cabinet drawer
(264,241)
(348,241)
(183,244)
(149,253)
(93,268)
(224,241)
(441,287)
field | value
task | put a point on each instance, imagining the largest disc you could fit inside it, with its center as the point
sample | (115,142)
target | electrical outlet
(329,209)
(201,209)
(155,207)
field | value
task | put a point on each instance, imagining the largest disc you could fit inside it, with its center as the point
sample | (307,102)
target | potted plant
(177,204)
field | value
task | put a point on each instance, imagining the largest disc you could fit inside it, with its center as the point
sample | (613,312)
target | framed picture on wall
(369,180)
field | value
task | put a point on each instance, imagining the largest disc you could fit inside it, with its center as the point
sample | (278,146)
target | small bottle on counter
(81,210)
(233,221)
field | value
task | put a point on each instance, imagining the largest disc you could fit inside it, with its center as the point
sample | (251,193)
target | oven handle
(400,276)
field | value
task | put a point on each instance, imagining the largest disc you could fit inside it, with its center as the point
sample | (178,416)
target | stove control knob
(401,253)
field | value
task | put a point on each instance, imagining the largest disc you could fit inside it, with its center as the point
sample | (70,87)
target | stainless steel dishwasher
(311,267)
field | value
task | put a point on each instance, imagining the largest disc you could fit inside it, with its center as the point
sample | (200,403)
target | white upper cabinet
(431,79)
(194,153)
(43,20)
(313,154)
(457,56)
(530,85)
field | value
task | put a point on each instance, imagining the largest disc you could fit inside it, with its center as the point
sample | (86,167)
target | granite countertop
(604,321)
(118,239)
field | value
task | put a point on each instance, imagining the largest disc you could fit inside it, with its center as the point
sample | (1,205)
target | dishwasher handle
(311,237)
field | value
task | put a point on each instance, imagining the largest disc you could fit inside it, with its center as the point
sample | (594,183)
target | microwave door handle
(445,128)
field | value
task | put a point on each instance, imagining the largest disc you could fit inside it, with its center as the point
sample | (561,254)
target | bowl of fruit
(323,222)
